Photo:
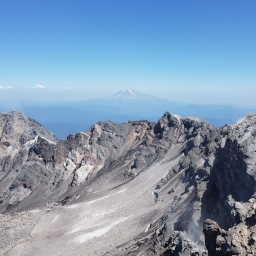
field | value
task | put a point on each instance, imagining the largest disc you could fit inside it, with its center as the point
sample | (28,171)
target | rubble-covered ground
(139,188)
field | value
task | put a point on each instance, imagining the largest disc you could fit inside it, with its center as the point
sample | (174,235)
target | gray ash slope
(139,188)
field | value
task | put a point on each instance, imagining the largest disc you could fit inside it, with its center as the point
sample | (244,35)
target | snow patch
(49,141)
(85,134)
(55,218)
(104,197)
(30,142)
(99,232)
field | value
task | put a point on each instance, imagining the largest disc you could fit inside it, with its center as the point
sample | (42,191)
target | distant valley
(63,118)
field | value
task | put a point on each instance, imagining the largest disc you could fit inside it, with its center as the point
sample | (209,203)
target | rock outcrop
(167,177)
(238,240)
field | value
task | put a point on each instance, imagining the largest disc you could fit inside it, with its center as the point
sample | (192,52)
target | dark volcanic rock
(211,231)
(238,240)
(200,173)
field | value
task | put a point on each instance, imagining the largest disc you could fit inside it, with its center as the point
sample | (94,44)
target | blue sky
(190,51)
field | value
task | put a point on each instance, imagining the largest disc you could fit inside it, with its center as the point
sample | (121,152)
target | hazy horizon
(196,52)
(51,96)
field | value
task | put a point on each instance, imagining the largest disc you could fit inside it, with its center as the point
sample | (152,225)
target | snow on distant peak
(129,94)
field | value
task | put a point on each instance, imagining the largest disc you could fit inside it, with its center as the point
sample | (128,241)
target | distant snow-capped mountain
(128,94)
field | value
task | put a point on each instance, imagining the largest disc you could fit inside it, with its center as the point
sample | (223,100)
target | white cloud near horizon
(6,87)
(38,86)
(66,88)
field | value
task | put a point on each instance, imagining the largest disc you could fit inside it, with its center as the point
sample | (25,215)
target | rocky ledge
(163,183)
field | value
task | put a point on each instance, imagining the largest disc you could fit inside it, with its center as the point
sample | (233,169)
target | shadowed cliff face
(189,169)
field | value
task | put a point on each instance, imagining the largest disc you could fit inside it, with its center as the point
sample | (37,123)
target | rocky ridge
(199,172)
